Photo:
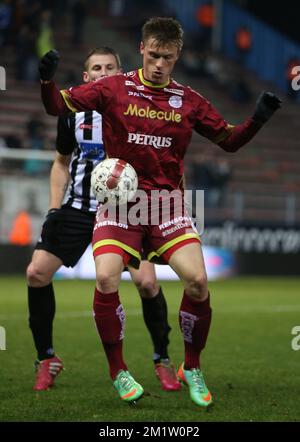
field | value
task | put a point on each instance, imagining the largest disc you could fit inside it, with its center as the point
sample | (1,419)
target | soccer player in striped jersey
(148,121)
(68,229)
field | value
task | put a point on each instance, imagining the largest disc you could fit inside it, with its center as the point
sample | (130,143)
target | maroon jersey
(147,125)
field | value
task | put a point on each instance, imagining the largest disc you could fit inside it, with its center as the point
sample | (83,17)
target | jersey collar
(148,83)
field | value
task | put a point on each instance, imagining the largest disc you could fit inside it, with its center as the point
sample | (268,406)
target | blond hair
(164,30)
(102,50)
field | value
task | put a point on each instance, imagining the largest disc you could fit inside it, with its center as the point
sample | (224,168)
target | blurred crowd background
(233,50)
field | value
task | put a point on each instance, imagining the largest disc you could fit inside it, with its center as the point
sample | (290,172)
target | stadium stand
(265,175)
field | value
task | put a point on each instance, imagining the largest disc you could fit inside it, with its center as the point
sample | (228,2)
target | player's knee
(147,288)
(197,286)
(35,277)
(106,282)
(31,275)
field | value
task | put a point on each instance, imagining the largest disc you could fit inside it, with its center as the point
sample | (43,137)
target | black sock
(41,303)
(156,319)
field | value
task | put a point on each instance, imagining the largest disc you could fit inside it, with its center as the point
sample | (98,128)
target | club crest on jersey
(175,101)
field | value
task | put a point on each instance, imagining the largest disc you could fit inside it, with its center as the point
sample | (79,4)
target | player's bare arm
(59,179)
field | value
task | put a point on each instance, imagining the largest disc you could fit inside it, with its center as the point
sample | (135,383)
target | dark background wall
(14,259)
(284,15)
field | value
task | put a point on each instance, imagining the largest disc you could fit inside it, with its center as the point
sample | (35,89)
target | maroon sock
(194,319)
(110,322)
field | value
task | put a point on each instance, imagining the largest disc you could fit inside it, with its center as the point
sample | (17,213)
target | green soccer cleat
(194,379)
(129,390)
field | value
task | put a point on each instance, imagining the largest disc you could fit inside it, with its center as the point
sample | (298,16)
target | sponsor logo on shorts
(149,140)
(110,223)
(171,211)
(152,114)
(182,222)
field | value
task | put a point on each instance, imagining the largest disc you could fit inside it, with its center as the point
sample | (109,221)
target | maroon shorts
(157,242)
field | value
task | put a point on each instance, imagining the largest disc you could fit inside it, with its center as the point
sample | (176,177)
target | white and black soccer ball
(114,181)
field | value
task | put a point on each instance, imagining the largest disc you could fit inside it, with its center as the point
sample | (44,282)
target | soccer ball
(114,181)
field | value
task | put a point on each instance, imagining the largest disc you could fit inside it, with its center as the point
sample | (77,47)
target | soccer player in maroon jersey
(148,122)
(68,230)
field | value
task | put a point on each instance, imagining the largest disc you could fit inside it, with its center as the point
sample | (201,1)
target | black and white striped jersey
(80,134)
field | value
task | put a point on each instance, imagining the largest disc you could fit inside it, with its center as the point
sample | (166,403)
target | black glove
(48,65)
(266,104)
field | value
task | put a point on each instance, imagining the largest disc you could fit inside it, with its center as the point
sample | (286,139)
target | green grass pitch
(249,363)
